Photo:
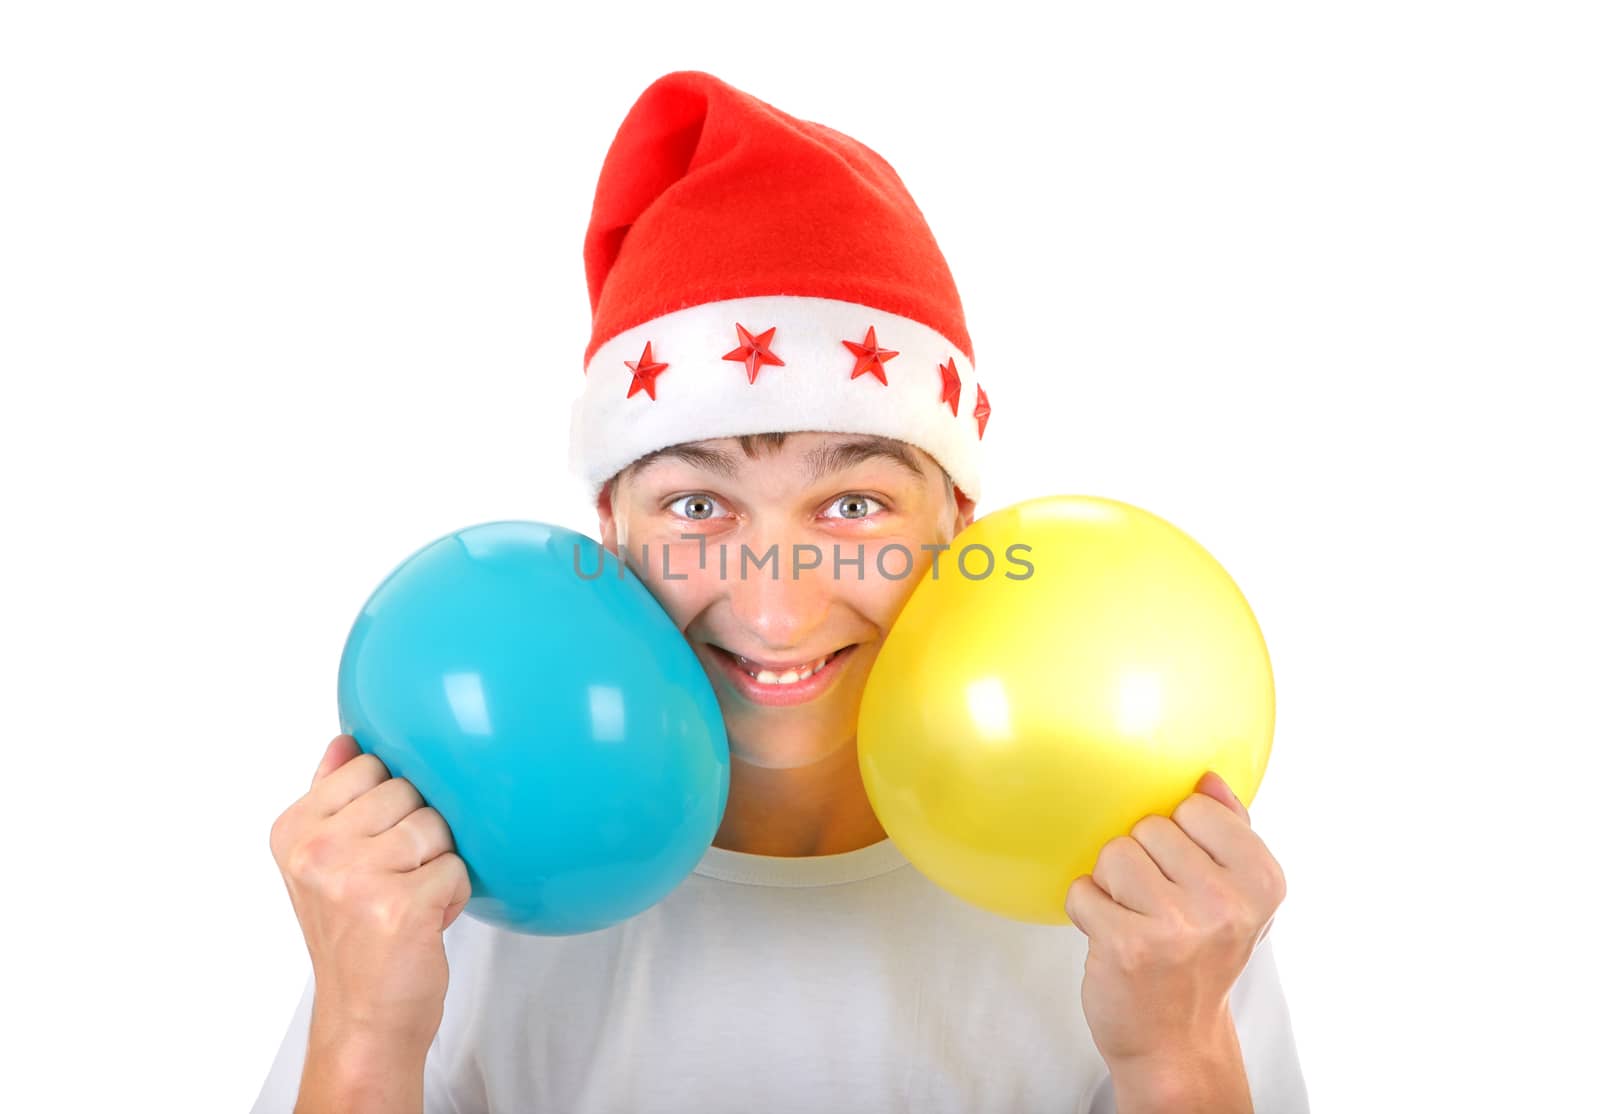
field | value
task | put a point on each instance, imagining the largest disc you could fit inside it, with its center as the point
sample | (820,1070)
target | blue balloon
(536,694)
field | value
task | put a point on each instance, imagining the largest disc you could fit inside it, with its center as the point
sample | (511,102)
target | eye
(698,506)
(856,504)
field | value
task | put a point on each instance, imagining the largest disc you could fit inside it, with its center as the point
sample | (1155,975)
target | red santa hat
(750,272)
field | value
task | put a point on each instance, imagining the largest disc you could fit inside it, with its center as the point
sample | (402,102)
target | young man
(779,364)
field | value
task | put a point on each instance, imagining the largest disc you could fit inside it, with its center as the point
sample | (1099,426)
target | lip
(779,696)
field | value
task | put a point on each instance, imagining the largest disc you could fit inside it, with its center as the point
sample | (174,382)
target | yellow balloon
(1016,722)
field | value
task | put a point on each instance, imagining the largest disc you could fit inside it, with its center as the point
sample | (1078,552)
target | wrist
(352,1070)
(1203,1074)
(354,1054)
(371,1032)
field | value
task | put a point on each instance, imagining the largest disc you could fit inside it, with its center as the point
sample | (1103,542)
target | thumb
(1213,786)
(341,750)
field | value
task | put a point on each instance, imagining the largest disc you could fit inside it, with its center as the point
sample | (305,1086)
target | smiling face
(788,655)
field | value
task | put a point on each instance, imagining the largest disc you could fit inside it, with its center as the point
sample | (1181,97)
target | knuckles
(1149,827)
(1192,808)
(1218,912)
(370,765)
(1163,943)
(390,912)
(311,857)
(280,835)
(319,869)
(1130,953)
(365,771)
(1122,849)
(1270,881)
(1208,920)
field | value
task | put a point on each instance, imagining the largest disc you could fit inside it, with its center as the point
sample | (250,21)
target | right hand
(374,879)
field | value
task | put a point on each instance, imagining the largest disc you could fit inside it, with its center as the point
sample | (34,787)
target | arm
(312,1072)
(347,1073)
(1174,913)
(1267,1056)
(278,1090)
(1210,1077)
(375,883)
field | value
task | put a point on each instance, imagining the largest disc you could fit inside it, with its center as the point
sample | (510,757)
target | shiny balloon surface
(556,719)
(1016,722)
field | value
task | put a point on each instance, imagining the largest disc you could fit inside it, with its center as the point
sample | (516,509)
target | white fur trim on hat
(700,395)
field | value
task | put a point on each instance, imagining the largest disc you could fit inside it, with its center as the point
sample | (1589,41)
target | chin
(758,741)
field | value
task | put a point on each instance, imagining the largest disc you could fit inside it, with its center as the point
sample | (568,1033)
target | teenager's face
(819,495)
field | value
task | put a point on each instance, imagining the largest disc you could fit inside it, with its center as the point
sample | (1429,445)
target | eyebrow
(831,458)
(821,462)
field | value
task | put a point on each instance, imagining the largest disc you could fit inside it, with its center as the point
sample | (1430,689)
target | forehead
(814,455)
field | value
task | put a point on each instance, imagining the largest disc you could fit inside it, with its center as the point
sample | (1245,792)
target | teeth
(788,676)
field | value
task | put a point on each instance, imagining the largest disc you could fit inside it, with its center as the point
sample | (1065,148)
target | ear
(965,510)
(608,518)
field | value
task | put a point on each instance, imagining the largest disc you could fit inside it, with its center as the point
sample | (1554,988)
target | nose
(783,613)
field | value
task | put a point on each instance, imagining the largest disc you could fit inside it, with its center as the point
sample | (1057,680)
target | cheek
(890,572)
(671,570)
(683,605)
(681,599)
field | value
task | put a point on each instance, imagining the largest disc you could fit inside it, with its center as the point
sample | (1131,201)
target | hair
(754,445)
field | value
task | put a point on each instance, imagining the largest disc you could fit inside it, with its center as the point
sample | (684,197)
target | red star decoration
(981,411)
(869,357)
(644,371)
(753,351)
(952,386)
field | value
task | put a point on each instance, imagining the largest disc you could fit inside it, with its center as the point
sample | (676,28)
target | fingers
(1125,872)
(1094,912)
(443,881)
(1213,785)
(417,839)
(349,781)
(1171,849)
(341,750)
(1217,829)
(380,808)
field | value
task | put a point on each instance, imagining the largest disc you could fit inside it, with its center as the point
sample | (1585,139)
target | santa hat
(754,273)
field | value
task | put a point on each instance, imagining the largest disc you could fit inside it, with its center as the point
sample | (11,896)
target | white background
(288,290)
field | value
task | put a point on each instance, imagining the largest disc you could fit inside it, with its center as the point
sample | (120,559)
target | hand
(374,881)
(1173,912)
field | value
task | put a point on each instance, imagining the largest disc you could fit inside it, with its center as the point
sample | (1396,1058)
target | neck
(818,809)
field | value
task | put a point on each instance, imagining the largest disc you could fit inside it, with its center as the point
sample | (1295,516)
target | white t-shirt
(842,983)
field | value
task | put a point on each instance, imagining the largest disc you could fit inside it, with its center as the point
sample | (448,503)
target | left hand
(1173,912)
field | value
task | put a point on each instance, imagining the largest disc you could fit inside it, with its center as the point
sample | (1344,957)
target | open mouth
(771,683)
